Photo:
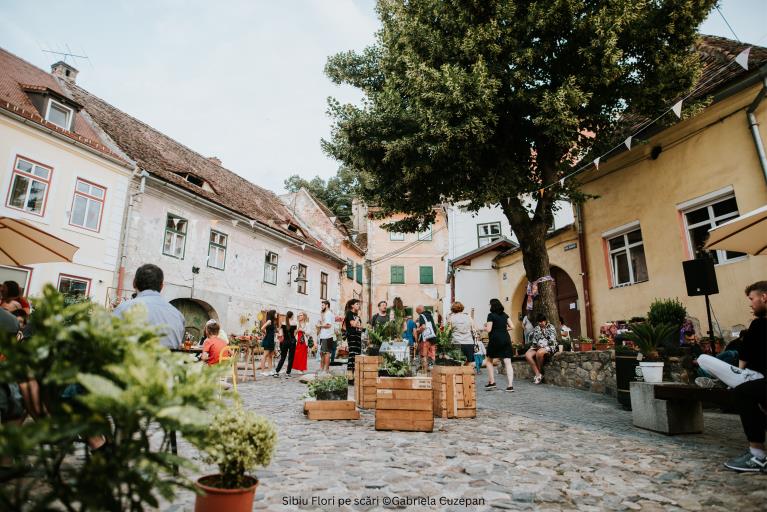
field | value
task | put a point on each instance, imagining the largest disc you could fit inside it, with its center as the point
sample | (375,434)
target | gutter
(753,125)
(584,270)
(242,218)
(125,227)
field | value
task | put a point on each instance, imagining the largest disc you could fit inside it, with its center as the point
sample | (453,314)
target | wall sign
(570,247)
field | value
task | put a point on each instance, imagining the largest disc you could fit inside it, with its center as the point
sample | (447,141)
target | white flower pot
(652,371)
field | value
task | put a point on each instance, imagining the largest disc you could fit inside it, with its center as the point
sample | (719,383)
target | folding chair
(229,355)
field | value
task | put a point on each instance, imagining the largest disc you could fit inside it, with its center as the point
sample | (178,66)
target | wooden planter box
(331,410)
(454,391)
(365,377)
(404,403)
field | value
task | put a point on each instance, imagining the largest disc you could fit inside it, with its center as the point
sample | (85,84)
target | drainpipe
(126,227)
(754,126)
(584,271)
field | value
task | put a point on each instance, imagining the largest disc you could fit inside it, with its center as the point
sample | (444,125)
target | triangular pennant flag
(562,183)
(677,108)
(303,247)
(596,162)
(213,222)
(627,142)
(333,220)
(235,222)
(252,223)
(742,58)
(175,223)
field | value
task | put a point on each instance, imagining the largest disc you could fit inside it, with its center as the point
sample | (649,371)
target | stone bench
(672,408)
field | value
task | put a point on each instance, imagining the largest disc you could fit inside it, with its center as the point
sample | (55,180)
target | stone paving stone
(539,448)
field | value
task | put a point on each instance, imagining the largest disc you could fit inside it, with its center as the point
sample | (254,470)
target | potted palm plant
(448,354)
(648,338)
(237,442)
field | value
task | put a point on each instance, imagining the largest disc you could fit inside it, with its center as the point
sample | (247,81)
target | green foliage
(393,367)
(667,311)
(648,338)
(324,385)
(120,383)
(337,193)
(445,347)
(238,441)
(383,332)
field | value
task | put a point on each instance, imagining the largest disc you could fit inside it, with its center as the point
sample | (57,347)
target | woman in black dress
(499,347)
(288,345)
(353,330)
(267,343)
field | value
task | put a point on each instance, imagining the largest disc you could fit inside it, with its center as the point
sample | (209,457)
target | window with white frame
(175,236)
(87,205)
(73,288)
(302,278)
(627,259)
(217,250)
(488,233)
(425,235)
(396,236)
(21,275)
(59,114)
(29,186)
(270,267)
(702,217)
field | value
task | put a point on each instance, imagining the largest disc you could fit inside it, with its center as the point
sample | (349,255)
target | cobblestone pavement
(539,448)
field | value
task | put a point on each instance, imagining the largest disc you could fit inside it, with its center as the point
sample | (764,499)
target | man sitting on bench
(748,382)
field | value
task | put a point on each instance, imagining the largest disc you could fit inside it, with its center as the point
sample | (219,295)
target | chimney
(63,70)
(215,160)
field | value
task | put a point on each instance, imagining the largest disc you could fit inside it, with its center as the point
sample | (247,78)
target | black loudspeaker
(700,277)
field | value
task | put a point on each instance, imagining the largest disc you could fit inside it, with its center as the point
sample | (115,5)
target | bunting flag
(235,222)
(677,109)
(175,222)
(252,224)
(333,219)
(596,162)
(303,247)
(742,58)
(562,183)
(627,142)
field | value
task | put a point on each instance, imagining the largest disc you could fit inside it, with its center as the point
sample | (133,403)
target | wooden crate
(331,410)
(365,378)
(454,391)
(404,404)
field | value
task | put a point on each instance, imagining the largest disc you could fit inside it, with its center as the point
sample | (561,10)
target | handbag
(310,343)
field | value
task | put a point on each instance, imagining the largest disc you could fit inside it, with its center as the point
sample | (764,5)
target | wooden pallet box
(454,391)
(331,410)
(365,381)
(404,403)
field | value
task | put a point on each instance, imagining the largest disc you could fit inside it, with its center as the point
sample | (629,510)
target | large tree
(488,101)
(337,192)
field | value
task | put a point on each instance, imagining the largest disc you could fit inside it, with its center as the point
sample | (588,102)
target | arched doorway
(196,314)
(567,300)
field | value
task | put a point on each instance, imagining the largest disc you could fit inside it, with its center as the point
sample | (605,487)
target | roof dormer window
(194,180)
(59,114)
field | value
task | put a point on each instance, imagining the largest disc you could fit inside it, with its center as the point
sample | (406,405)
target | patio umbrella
(747,233)
(23,244)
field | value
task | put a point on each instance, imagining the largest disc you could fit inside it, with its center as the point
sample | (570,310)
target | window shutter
(350,269)
(427,275)
(397,274)
(359,273)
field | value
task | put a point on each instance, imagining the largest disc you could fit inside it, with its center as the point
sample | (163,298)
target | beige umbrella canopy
(23,244)
(747,233)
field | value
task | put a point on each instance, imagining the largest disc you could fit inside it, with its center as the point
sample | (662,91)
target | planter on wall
(652,371)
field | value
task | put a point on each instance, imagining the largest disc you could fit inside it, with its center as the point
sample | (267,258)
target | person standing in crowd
(353,329)
(302,343)
(427,332)
(543,342)
(409,334)
(148,283)
(479,354)
(747,381)
(11,299)
(498,326)
(463,331)
(381,317)
(288,345)
(212,346)
(326,335)
(269,328)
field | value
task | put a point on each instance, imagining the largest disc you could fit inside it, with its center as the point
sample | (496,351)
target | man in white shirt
(326,335)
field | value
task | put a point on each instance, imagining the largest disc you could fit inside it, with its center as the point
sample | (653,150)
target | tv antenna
(69,54)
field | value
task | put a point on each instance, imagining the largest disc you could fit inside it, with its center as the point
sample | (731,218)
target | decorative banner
(175,223)
(235,222)
(596,162)
(333,219)
(677,109)
(627,142)
(252,223)
(742,58)
(303,247)
(562,183)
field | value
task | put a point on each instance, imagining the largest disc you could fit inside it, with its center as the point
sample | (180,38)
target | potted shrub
(603,343)
(391,367)
(667,312)
(448,354)
(329,388)
(237,441)
(585,344)
(648,338)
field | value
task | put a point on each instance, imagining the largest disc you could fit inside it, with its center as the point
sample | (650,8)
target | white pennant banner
(677,109)
(742,58)
(235,222)
(175,223)
(562,183)
(627,142)
(596,162)
(252,223)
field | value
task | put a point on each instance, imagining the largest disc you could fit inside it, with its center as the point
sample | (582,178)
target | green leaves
(648,337)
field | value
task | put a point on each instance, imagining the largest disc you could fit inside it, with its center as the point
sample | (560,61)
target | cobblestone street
(539,448)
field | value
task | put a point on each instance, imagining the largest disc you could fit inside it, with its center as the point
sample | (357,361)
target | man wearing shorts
(326,335)
(428,333)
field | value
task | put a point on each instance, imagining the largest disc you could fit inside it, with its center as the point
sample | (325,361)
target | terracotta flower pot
(586,347)
(216,499)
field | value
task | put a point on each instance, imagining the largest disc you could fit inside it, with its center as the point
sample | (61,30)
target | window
(73,288)
(87,205)
(627,258)
(59,114)
(270,267)
(397,274)
(350,269)
(21,275)
(29,186)
(323,285)
(217,250)
(488,233)
(704,217)
(359,273)
(175,236)
(302,280)
(395,236)
(425,235)
(426,275)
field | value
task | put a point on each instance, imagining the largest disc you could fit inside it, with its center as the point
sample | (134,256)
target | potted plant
(667,311)
(603,343)
(648,338)
(585,344)
(329,388)
(237,441)
(391,367)
(448,354)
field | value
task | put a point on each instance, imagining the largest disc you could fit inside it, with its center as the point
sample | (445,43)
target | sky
(241,80)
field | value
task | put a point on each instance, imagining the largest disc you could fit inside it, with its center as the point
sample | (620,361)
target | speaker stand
(710,327)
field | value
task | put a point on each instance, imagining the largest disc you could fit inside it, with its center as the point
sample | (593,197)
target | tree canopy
(337,192)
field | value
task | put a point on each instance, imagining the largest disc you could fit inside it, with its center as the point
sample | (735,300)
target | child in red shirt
(212,346)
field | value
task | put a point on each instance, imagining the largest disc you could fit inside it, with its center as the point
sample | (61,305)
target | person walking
(427,332)
(353,329)
(463,331)
(268,328)
(288,345)
(302,347)
(498,326)
(326,335)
